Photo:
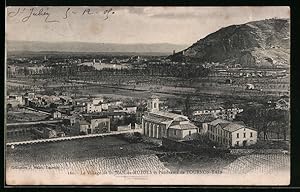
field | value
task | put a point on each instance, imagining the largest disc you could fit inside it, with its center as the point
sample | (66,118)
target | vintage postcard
(147,95)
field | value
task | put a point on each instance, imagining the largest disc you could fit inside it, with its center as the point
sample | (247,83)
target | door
(89,131)
(244,143)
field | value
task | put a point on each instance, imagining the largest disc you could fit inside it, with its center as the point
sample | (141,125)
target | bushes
(270,145)
(131,137)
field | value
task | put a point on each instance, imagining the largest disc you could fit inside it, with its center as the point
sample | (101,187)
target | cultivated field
(23,115)
(75,150)
(259,163)
(139,164)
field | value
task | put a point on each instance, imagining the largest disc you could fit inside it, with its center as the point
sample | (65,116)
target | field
(114,155)
(108,155)
(22,115)
(75,150)
(259,163)
(138,164)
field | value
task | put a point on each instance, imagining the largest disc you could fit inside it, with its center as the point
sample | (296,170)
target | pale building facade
(91,108)
(92,126)
(230,134)
(221,113)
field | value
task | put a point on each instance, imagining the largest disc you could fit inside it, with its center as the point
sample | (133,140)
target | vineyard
(258,163)
(75,150)
(140,164)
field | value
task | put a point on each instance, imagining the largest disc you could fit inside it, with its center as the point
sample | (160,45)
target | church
(159,124)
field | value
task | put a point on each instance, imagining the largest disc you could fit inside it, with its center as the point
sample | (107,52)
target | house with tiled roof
(231,134)
(159,124)
(91,125)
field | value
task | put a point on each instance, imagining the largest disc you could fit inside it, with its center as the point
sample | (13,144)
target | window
(237,135)
(251,134)
(237,143)
(190,133)
(244,135)
(174,132)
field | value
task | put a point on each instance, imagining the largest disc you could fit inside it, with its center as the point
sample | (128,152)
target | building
(45,133)
(93,108)
(219,113)
(283,104)
(159,124)
(92,126)
(130,109)
(201,121)
(126,109)
(97,101)
(249,86)
(57,115)
(231,134)
(15,100)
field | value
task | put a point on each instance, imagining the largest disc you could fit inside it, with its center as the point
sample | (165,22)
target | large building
(159,124)
(92,126)
(219,113)
(231,134)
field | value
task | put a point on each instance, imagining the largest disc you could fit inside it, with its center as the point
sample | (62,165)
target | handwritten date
(26,14)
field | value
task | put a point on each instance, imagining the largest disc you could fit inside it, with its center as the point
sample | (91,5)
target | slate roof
(167,114)
(232,127)
(156,119)
(184,126)
(217,121)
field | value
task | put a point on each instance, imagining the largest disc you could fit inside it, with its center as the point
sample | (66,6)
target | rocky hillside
(259,43)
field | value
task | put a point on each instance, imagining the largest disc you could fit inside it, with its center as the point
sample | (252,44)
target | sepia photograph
(147,95)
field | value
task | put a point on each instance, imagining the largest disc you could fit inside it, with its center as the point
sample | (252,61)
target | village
(34,116)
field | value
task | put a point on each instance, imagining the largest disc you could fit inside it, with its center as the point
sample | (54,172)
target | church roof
(157,119)
(184,126)
(167,115)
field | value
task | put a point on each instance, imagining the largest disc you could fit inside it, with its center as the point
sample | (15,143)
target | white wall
(249,140)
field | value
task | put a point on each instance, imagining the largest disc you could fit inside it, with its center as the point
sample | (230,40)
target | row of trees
(267,121)
(165,70)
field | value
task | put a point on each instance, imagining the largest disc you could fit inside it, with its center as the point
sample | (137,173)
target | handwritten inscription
(26,14)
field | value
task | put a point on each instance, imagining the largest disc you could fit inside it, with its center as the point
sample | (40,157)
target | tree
(187,106)
(266,120)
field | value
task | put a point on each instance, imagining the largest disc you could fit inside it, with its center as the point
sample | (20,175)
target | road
(73,137)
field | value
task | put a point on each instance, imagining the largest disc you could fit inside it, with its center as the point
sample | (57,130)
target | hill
(83,47)
(264,43)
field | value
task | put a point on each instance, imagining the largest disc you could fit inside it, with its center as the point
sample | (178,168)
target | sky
(128,25)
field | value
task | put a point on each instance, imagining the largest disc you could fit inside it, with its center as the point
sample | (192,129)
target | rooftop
(231,127)
(217,121)
(167,115)
(204,118)
(184,126)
